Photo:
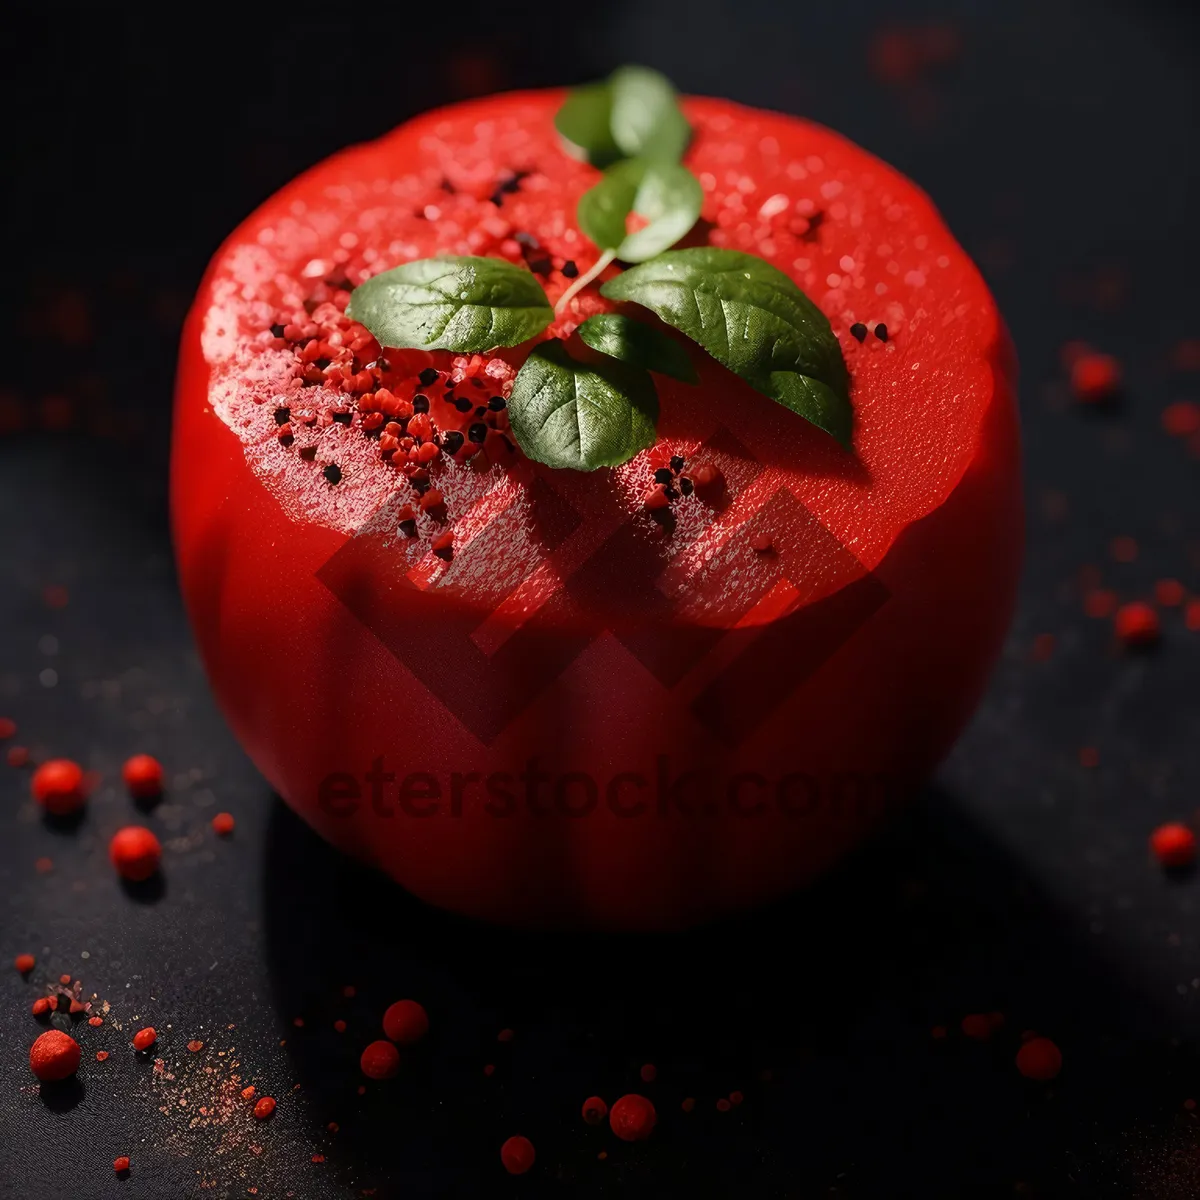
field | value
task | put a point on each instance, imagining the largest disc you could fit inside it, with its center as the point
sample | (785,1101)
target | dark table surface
(1060,140)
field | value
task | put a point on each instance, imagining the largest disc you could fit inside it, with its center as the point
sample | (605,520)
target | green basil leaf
(646,119)
(639,344)
(585,123)
(668,195)
(581,416)
(752,319)
(464,304)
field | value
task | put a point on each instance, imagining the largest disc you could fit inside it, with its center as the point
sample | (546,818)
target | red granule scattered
(723,1105)
(443,543)
(264,1108)
(761,543)
(248,1092)
(1169,593)
(632,1118)
(688,1104)
(95,1022)
(380,1060)
(1137,624)
(144,1038)
(594,1110)
(1181,419)
(406,1022)
(8,727)
(1095,377)
(517,1155)
(195,1046)
(505,1035)
(1040,1059)
(54,595)
(340,1026)
(40,1005)
(24,963)
(43,865)
(222,824)
(333,1127)
(121,1165)
(1186,355)
(101,1055)
(65,980)
(1100,602)
(17,756)
(318,1158)
(57,786)
(649,1073)
(135,852)
(54,1056)
(1124,549)
(1174,845)
(143,775)
(1189,1105)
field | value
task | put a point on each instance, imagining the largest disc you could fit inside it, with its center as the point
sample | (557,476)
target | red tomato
(570,712)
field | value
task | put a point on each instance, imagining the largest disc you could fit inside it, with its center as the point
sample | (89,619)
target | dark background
(1060,140)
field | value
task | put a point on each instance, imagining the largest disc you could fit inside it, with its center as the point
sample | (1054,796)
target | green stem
(584,280)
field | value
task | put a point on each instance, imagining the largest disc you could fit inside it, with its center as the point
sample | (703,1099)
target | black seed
(497,403)
(527,240)
(570,270)
(420,403)
(663,475)
(452,441)
(308,453)
(343,418)
(858,331)
(814,223)
(448,187)
(420,486)
(676,462)
(504,438)
(381,364)
(685,485)
(477,432)
(427,377)
(408,528)
(322,363)
(463,404)
(333,473)
(541,266)
(286,440)
(283,416)
(481,410)
(277,330)
(881,332)
(448,396)
(670,493)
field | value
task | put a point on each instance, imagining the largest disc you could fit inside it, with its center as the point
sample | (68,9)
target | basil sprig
(667,195)
(631,341)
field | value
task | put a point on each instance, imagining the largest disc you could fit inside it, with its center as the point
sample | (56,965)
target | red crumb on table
(54,1056)
(632,1118)
(981,1026)
(1174,845)
(57,786)
(1095,377)
(333,1127)
(1137,624)
(24,963)
(248,1092)
(120,1165)
(17,756)
(649,1073)
(264,1108)
(101,1055)
(1181,419)
(40,1005)
(65,980)
(1089,756)
(222,824)
(1039,1058)
(135,852)
(143,775)
(95,1022)
(8,727)
(1169,593)
(517,1155)
(195,1046)
(380,1060)
(594,1110)
(144,1038)
(406,1022)
(298,1022)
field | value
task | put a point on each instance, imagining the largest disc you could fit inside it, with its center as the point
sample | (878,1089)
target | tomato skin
(313,693)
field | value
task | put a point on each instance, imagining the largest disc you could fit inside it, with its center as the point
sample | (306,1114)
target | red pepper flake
(195,1046)
(1137,624)
(340,1026)
(505,1035)
(318,1158)
(75,1008)
(723,1105)
(65,980)
(594,1110)
(1169,593)
(444,543)
(1095,377)
(135,853)
(380,1060)
(736,1098)
(1181,419)
(17,756)
(8,727)
(57,786)
(649,1073)
(54,1056)
(121,1165)
(222,824)
(144,1038)
(95,1022)
(1190,1105)
(688,1104)
(1089,757)
(101,1055)
(432,499)
(632,1118)
(24,963)
(406,1022)
(1174,845)
(248,1092)
(517,1154)
(143,776)
(264,1108)
(40,1006)
(1039,1059)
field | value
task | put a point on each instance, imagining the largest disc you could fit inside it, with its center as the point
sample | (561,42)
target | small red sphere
(1095,377)
(121,1165)
(380,1060)
(58,786)
(977,1026)
(54,1056)
(594,1110)
(135,852)
(1137,624)
(649,1073)
(144,1039)
(24,963)
(1182,418)
(264,1108)
(143,775)
(632,1118)
(222,824)
(517,1155)
(1174,845)
(406,1022)
(1040,1059)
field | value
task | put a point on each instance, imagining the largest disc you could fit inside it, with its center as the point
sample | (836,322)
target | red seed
(95,1022)
(406,1022)
(144,1038)
(222,824)
(1174,845)
(54,1056)
(1137,624)
(432,499)
(632,1118)
(1100,602)
(120,1165)
(143,776)
(24,963)
(649,1073)
(340,1025)
(655,497)
(594,1110)
(248,1092)
(1095,377)
(1040,1059)
(380,1060)
(517,1155)
(264,1108)
(1123,549)
(17,756)
(195,1046)
(58,786)
(135,852)
(443,542)
(505,1035)
(101,1055)
(1089,757)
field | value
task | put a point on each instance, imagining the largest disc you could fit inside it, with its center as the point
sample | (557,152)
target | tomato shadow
(834,1013)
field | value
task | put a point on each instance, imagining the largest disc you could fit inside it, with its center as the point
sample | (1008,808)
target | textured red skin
(931,504)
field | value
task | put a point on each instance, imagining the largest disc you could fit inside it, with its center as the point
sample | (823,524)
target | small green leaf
(752,319)
(646,119)
(581,416)
(463,304)
(638,344)
(585,123)
(668,195)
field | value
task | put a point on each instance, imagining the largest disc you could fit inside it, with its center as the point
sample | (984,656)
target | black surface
(1061,147)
